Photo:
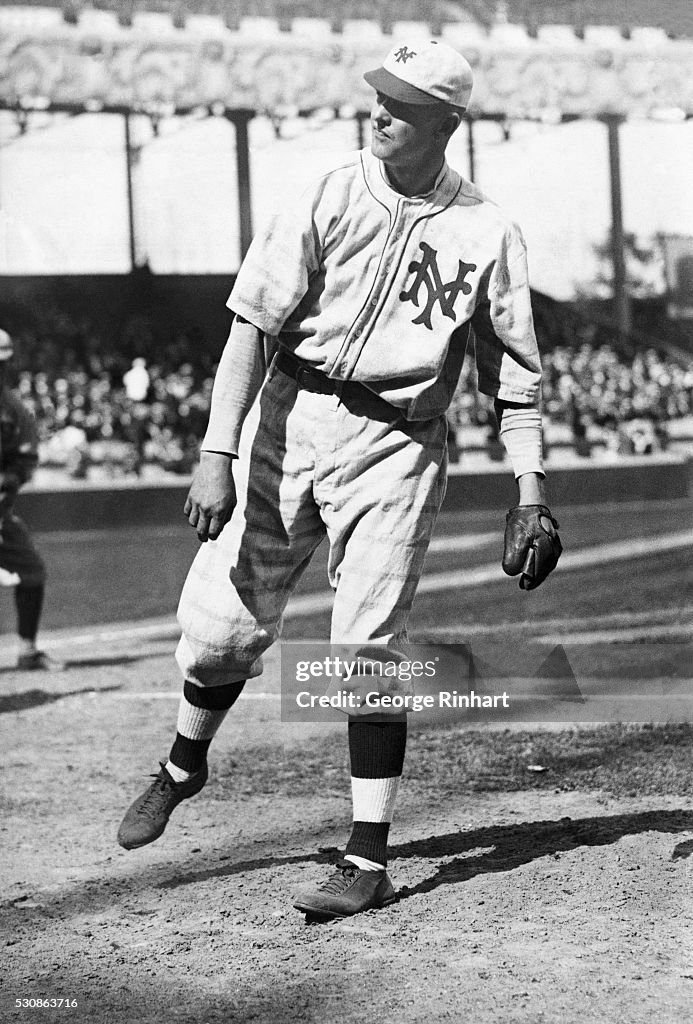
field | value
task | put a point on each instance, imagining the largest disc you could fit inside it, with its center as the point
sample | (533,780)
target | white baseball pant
(346,466)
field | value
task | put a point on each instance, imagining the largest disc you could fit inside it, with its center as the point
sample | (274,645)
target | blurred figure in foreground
(21,566)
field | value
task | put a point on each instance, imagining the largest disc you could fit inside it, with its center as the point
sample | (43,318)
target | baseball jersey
(18,437)
(369,285)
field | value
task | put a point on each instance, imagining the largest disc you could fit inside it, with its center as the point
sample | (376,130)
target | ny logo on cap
(403,55)
(428,274)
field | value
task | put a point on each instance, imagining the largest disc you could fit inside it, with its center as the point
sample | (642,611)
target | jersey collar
(444,190)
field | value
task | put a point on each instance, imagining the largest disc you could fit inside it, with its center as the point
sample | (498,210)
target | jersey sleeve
(276,271)
(507,354)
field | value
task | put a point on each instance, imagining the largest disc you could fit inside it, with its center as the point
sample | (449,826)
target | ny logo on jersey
(428,274)
(403,55)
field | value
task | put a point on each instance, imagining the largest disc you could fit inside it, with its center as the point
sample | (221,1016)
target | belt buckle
(303,375)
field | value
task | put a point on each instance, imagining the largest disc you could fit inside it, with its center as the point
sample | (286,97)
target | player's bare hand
(212,495)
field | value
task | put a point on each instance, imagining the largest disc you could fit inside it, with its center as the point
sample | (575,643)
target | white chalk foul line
(468,542)
(584,558)
(109,534)
(677,632)
(162,628)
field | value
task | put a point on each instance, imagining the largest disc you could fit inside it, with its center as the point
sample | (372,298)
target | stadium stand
(673,16)
(596,398)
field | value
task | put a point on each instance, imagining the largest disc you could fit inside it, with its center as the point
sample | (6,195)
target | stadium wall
(131,504)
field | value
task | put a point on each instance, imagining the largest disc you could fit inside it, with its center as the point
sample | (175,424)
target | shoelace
(154,790)
(341,879)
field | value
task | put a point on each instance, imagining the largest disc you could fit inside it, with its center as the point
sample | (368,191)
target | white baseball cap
(6,346)
(424,73)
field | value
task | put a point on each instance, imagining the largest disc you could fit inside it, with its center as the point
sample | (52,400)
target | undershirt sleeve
(520,433)
(238,379)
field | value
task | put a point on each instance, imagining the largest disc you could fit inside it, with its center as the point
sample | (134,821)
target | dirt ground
(554,896)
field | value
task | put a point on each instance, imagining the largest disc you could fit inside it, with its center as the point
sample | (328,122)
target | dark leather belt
(309,377)
(350,391)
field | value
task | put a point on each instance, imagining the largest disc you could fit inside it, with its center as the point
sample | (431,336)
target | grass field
(132,574)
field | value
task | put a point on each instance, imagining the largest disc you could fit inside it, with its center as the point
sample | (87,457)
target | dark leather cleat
(148,816)
(348,891)
(39,661)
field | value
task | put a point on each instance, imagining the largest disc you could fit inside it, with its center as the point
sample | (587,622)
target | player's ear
(451,122)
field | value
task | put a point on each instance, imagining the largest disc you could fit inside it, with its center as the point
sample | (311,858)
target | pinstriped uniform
(370,285)
(313,465)
(373,287)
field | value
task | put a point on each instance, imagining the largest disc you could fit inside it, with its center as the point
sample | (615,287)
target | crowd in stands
(109,406)
(85,420)
(104,404)
(603,398)
(629,402)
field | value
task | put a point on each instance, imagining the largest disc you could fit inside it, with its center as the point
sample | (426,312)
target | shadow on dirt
(683,850)
(122,659)
(514,845)
(105,662)
(36,698)
(511,846)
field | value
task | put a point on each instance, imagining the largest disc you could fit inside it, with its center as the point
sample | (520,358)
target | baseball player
(21,566)
(352,312)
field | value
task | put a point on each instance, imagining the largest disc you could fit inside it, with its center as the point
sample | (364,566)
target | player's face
(403,134)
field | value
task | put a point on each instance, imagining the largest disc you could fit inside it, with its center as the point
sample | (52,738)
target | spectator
(136,381)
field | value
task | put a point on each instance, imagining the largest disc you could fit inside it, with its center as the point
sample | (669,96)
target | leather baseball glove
(532,544)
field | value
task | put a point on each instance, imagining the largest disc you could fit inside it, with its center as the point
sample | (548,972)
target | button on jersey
(373,286)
